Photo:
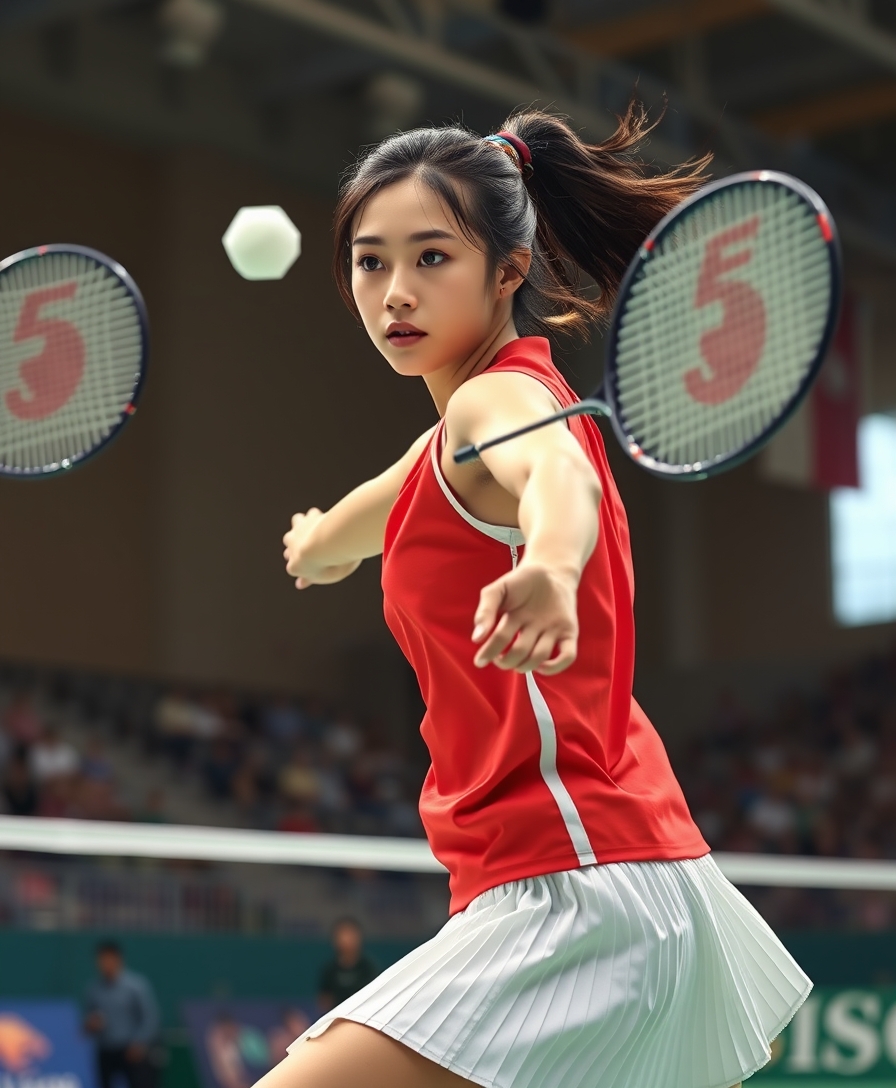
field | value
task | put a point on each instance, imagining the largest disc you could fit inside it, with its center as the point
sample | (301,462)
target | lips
(403,334)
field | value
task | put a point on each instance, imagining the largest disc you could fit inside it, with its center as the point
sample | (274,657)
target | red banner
(835,406)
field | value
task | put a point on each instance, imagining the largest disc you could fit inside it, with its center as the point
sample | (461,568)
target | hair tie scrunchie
(515,149)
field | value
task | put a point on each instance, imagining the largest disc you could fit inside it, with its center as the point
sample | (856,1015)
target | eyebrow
(420,236)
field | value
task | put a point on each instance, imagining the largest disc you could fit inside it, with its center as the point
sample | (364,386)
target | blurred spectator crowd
(280,763)
(817,776)
(290,765)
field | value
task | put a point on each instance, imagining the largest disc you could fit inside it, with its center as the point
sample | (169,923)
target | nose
(399,293)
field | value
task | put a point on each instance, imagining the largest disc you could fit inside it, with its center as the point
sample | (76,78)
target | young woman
(592,939)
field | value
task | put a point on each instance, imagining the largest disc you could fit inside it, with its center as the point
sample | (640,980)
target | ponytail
(595,205)
(578,208)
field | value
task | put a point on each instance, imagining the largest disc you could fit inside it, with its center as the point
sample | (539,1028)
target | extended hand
(297,564)
(528,621)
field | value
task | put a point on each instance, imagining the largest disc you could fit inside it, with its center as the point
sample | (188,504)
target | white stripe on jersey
(548,766)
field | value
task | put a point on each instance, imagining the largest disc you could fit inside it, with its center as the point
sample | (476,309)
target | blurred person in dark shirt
(22,722)
(122,1015)
(350,969)
(95,764)
(20,795)
(219,767)
(282,722)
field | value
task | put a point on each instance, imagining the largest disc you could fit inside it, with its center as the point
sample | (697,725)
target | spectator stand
(92,747)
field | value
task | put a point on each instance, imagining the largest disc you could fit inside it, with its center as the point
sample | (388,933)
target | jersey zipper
(514,556)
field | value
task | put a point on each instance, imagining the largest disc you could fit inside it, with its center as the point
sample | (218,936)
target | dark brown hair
(585,207)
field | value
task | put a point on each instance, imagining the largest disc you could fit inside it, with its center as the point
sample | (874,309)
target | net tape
(786,260)
(102,838)
(108,323)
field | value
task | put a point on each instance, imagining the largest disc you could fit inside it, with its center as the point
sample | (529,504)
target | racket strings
(91,318)
(71,347)
(738,424)
(718,336)
(741,417)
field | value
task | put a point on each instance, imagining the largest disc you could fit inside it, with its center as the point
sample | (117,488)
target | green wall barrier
(838,1036)
(845,959)
(217,966)
(845,1032)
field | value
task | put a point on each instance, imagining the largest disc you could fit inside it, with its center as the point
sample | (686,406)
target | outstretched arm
(322,548)
(527,619)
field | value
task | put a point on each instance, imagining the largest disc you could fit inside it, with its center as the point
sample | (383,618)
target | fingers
(542,649)
(311,512)
(490,600)
(293,536)
(567,651)
(526,625)
(526,650)
(503,635)
(520,649)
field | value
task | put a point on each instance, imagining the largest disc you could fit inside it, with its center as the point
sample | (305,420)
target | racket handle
(590,407)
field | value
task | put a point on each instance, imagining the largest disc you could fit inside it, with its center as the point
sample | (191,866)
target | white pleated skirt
(649,974)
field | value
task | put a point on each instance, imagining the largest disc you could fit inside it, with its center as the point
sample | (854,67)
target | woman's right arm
(322,548)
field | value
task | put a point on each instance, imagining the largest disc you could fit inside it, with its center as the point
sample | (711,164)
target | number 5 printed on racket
(52,376)
(731,350)
(73,352)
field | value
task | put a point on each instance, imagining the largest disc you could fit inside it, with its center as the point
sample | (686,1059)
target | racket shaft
(591,406)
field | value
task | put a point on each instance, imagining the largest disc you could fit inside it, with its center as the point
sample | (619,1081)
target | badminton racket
(720,326)
(73,352)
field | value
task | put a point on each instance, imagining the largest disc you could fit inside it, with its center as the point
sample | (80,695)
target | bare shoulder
(492,386)
(491,399)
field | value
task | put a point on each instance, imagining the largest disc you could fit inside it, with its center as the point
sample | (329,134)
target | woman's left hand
(527,621)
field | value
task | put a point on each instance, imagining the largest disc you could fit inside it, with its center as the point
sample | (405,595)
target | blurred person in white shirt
(52,757)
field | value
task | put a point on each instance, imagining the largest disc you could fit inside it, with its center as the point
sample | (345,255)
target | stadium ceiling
(807,86)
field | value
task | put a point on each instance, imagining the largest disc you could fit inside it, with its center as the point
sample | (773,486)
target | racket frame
(608,390)
(130,408)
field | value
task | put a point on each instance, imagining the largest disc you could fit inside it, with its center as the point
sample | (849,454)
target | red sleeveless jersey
(530,774)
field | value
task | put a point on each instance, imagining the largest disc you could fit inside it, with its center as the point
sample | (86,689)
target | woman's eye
(369,263)
(431,258)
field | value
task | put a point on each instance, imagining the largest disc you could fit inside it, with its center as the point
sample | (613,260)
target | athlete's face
(423,289)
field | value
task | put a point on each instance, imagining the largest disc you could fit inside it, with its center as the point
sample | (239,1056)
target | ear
(512,275)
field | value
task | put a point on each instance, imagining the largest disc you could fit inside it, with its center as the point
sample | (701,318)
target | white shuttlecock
(262,242)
